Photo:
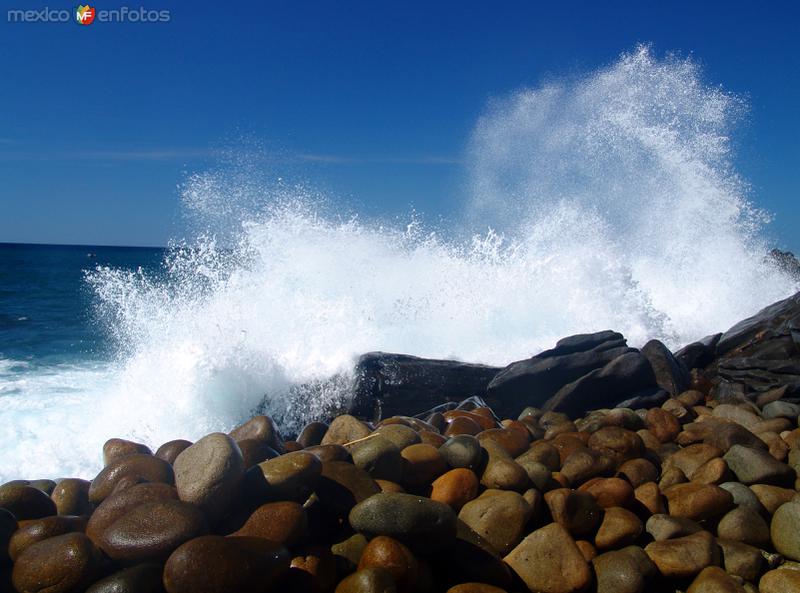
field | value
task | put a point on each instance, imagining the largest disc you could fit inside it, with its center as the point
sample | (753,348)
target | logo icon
(84,15)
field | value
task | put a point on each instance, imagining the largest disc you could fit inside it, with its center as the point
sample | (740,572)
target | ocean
(608,201)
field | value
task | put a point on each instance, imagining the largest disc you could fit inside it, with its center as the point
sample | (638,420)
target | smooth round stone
(544,453)
(713,579)
(116,505)
(671,476)
(462,425)
(583,464)
(26,502)
(114,449)
(785,530)
(663,527)
(284,523)
(422,524)
(314,569)
(499,517)
(538,474)
(745,525)
(63,564)
(210,473)
(463,451)
(698,501)
(782,580)
(379,457)
(577,512)
(692,457)
(394,557)
(713,471)
(292,476)
(484,422)
(781,409)
(741,559)
(743,496)
(142,578)
(402,436)
(772,497)
(45,485)
(71,496)
(369,580)
(548,561)
(387,486)
(455,488)
(618,528)
(638,471)
(755,466)
(342,485)
(329,453)
(422,464)
(255,452)
(514,442)
(662,424)
(434,439)
(151,531)
(649,495)
(260,428)
(36,530)
(610,492)
(312,434)
(345,429)
(503,473)
(348,552)
(216,564)
(736,414)
(618,572)
(141,467)
(170,450)
(617,443)
(684,557)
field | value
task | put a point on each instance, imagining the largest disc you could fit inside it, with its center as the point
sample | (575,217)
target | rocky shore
(592,466)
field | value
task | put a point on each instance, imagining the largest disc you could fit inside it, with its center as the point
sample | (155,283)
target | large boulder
(671,373)
(623,377)
(537,379)
(398,384)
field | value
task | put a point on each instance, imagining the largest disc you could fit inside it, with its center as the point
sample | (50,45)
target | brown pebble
(455,488)
(63,564)
(284,523)
(394,557)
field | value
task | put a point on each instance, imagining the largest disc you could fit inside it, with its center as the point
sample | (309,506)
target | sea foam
(602,201)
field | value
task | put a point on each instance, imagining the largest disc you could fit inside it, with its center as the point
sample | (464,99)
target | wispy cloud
(379,160)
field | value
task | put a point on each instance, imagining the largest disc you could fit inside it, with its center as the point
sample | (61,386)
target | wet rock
(577,512)
(114,449)
(463,451)
(785,530)
(499,517)
(421,465)
(116,505)
(782,580)
(664,425)
(62,564)
(151,531)
(741,559)
(713,471)
(138,467)
(624,376)
(690,458)
(663,527)
(215,564)
(402,436)
(713,579)
(422,524)
(260,428)
(31,532)
(697,501)
(26,502)
(170,450)
(548,561)
(345,429)
(617,443)
(394,557)
(255,452)
(369,580)
(379,457)
(142,578)
(292,476)
(455,488)
(781,409)
(772,497)
(671,373)
(684,556)
(284,523)
(610,492)
(618,572)
(754,466)
(745,525)
(312,434)
(210,473)
(584,464)
(342,485)
(71,496)
(618,528)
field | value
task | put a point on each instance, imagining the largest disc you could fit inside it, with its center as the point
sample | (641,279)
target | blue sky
(372,102)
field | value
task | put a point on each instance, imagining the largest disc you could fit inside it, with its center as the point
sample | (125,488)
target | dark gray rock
(671,374)
(782,316)
(699,354)
(535,380)
(397,384)
(622,378)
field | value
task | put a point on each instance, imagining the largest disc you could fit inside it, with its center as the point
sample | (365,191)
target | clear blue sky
(372,101)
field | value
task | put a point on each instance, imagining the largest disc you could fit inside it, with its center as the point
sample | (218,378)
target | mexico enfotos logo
(85,14)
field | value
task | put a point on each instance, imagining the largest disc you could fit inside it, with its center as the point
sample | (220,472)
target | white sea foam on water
(613,204)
